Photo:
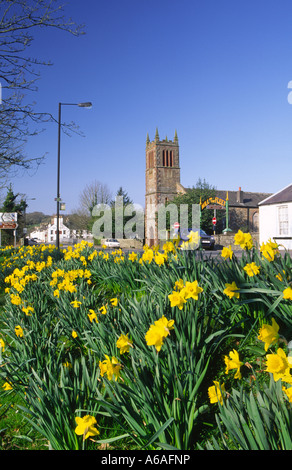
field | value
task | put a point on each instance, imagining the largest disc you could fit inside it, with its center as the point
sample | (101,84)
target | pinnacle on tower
(156,135)
(147,139)
(175,137)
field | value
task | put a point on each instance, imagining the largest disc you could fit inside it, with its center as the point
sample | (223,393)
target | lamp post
(81,105)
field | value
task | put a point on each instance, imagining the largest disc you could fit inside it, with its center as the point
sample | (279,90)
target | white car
(111,243)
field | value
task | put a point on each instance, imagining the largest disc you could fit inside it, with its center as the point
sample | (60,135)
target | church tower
(162,180)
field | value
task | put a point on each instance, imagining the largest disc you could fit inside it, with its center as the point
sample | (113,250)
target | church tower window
(167,158)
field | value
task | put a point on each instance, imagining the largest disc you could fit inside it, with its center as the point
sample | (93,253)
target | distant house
(275,218)
(49,234)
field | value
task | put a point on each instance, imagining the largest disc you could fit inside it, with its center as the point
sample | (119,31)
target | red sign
(176,225)
(214,220)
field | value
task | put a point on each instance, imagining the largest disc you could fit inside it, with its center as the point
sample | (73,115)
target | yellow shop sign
(213,200)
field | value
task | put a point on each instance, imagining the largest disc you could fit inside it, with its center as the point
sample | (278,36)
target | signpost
(8,221)
(217,203)
(176,225)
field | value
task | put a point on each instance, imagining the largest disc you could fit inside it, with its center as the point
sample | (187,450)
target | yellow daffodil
(177,300)
(287,293)
(239,238)
(15,299)
(157,332)
(133,256)
(103,309)
(251,269)
(288,392)
(279,276)
(124,343)
(193,240)
(216,392)
(230,290)
(227,252)
(67,365)
(179,284)
(27,310)
(92,316)
(159,259)
(269,250)
(114,302)
(233,362)
(76,303)
(74,334)
(86,426)
(244,240)
(2,344)
(192,290)
(110,367)
(169,247)
(7,386)
(269,334)
(278,364)
(148,255)
(18,331)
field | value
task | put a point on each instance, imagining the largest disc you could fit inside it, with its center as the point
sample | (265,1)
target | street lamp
(81,105)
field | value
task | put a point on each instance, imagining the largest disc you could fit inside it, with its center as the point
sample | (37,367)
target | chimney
(239,195)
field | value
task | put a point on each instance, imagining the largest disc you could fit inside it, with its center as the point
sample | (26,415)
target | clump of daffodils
(184,291)
(277,363)
(244,240)
(269,250)
(158,332)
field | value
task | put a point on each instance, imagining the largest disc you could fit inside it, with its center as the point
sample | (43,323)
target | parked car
(206,241)
(111,243)
(30,241)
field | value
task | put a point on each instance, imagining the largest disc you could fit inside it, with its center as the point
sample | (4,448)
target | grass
(15,431)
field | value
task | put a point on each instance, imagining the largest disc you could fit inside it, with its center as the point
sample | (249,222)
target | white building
(275,218)
(49,234)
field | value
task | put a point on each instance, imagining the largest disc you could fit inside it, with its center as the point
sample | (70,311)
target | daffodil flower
(269,334)
(279,364)
(86,426)
(233,362)
(216,392)
(124,343)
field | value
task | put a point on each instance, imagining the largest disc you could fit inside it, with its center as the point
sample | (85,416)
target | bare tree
(93,194)
(19,73)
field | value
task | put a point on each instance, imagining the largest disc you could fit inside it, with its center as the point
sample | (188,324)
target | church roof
(284,195)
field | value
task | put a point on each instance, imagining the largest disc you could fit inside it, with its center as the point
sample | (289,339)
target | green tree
(121,204)
(195,195)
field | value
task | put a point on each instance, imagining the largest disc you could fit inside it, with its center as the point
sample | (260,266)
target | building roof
(284,195)
(238,198)
(242,198)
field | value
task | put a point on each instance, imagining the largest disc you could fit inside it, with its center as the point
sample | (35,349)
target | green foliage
(195,195)
(255,420)
(159,399)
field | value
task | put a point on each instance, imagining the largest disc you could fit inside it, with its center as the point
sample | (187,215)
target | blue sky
(217,71)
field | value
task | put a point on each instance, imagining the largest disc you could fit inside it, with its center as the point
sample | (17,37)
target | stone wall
(127,243)
(228,239)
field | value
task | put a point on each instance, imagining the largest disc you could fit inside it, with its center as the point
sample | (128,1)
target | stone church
(162,184)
